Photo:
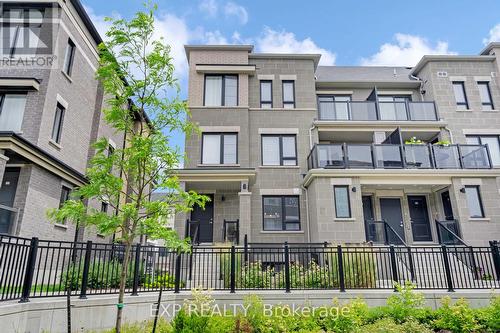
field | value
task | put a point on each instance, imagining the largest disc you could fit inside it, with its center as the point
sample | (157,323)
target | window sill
(468,110)
(479,219)
(67,76)
(491,110)
(279,167)
(101,235)
(282,232)
(218,165)
(60,226)
(55,144)
(346,219)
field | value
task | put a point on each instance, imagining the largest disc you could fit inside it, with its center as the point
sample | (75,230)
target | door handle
(401,224)
(211,221)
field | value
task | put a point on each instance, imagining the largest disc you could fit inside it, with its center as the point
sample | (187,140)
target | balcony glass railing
(370,110)
(388,156)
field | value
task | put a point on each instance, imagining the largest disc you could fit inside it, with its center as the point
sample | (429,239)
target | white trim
(394,92)
(266,77)
(277,191)
(215,129)
(471,181)
(282,231)
(457,78)
(341,181)
(479,219)
(219,165)
(61,226)
(482,78)
(287,77)
(481,131)
(219,69)
(278,131)
(55,144)
(111,143)
(279,167)
(62,101)
(23,83)
(334,92)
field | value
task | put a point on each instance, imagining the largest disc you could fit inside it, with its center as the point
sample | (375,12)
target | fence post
(233,269)
(137,264)
(85,274)
(341,269)
(287,268)
(446,262)
(496,257)
(245,246)
(177,277)
(29,272)
(394,265)
(410,263)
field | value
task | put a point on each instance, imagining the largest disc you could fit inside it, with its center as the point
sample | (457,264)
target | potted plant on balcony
(444,143)
(414,141)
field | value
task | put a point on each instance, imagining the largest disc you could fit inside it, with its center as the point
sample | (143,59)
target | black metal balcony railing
(370,110)
(390,156)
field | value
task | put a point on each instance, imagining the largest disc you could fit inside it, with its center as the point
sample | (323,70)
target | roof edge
(489,47)
(87,21)
(449,57)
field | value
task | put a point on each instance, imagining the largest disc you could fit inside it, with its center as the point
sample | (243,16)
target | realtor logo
(26,35)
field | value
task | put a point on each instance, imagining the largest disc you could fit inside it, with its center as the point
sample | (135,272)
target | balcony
(393,156)
(371,110)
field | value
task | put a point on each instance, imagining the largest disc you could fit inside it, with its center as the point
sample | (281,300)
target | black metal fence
(37,268)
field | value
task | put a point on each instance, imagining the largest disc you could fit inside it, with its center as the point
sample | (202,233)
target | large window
(221,90)
(266,94)
(334,107)
(68,57)
(21,30)
(393,107)
(474,201)
(288,94)
(58,123)
(342,204)
(485,93)
(493,142)
(279,150)
(12,111)
(219,148)
(460,96)
(281,213)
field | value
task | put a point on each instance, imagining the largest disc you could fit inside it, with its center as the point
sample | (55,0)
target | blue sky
(379,32)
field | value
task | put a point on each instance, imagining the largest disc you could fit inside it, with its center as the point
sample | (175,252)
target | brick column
(245,212)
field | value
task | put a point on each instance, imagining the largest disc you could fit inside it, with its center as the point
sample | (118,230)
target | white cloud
(407,51)
(209,7)
(214,38)
(99,20)
(286,42)
(233,9)
(494,35)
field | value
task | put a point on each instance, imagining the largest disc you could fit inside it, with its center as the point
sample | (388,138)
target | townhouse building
(292,151)
(50,114)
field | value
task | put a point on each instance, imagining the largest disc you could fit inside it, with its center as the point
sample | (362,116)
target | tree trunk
(123,282)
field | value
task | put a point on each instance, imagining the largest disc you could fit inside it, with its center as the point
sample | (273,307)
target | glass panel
(446,157)
(359,156)
(342,107)
(288,105)
(58,120)
(388,156)
(472,140)
(68,58)
(272,213)
(387,111)
(12,112)
(474,157)
(459,91)
(211,149)
(326,108)
(422,111)
(484,92)
(494,148)
(270,150)
(265,91)
(292,209)
(288,146)
(231,90)
(266,105)
(230,147)
(213,90)
(342,202)
(473,201)
(363,111)
(330,156)
(288,92)
(417,156)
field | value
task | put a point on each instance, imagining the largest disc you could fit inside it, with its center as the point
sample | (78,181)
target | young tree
(137,74)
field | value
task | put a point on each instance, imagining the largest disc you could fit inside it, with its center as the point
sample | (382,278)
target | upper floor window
(493,142)
(334,107)
(219,148)
(281,213)
(460,96)
(22,28)
(58,123)
(342,204)
(266,94)
(279,150)
(65,196)
(68,57)
(485,93)
(12,111)
(288,94)
(393,107)
(104,207)
(221,90)
(474,201)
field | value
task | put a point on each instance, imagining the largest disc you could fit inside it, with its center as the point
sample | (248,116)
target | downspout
(310,136)
(421,85)
(308,224)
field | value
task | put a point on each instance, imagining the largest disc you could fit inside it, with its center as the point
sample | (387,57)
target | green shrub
(457,317)
(388,325)
(165,280)
(489,317)
(406,303)
(255,276)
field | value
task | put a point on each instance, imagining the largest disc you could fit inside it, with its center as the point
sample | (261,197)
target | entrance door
(447,209)
(7,196)
(390,209)
(368,216)
(419,216)
(205,218)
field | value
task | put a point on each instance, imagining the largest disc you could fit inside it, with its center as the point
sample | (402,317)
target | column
(245,211)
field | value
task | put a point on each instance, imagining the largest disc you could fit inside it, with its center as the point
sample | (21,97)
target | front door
(205,218)
(7,196)
(390,209)
(419,217)
(368,216)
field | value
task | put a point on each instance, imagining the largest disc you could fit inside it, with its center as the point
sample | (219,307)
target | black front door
(419,216)
(7,196)
(368,216)
(447,209)
(205,219)
(390,209)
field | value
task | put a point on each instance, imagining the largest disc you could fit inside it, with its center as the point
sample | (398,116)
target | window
(288,94)
(485,93)
(334,107)
(266,94)
(104,207)
(65,193)
(393,107)
(12,111)
(281,213)
(219,148)
(460,96)
(493,142)
(221,90)
(342,203)
(474,201)
(21,30)
(279,150)
(58,123)
(68,57)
